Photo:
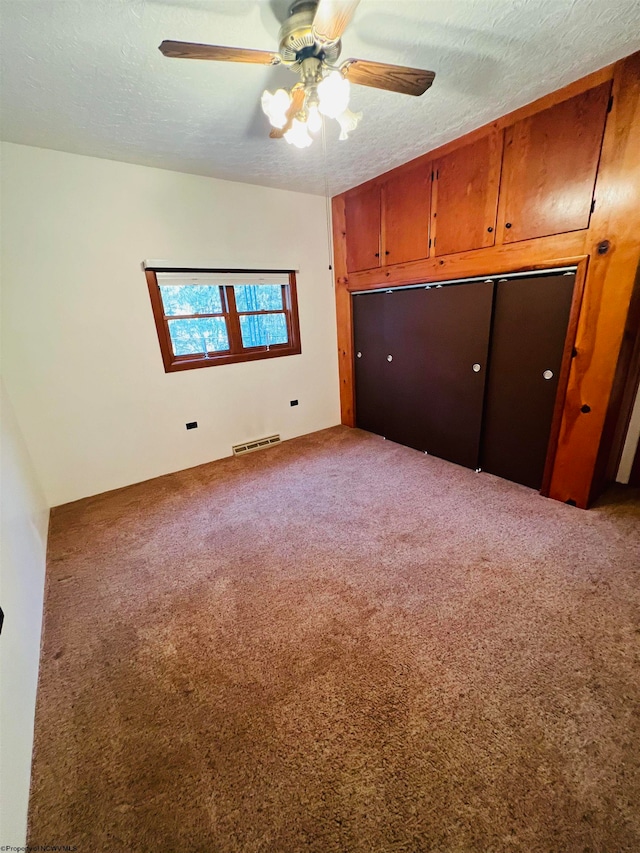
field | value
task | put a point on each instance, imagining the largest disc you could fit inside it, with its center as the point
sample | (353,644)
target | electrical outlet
(192,425)
(293,403)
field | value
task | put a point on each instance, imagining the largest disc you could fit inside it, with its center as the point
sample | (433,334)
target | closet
(467,371)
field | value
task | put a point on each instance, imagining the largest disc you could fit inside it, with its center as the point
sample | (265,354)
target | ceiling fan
(310,45)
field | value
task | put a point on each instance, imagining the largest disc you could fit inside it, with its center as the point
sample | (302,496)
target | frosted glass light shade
(298,135)
(348,121)
(275,106)
(333,93)
(314,119)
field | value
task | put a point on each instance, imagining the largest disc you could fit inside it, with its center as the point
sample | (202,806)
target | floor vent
(258,444)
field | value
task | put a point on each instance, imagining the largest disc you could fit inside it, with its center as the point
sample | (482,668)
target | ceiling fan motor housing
(297,41)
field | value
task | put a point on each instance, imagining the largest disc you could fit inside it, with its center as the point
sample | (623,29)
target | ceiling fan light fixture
(275,106)
(333,93)
(298,135)
(314,119)
(310,45)
(348,121)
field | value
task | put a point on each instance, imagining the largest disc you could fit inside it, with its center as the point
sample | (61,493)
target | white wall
(630,444)
(24,518)
(80,353)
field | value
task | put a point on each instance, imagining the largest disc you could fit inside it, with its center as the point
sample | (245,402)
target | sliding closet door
(372,380)
(436,337)
(425,387)
(529,330)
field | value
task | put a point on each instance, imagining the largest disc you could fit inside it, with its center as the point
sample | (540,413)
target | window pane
(261,330)
(258,297)
(190,299)
(198,336)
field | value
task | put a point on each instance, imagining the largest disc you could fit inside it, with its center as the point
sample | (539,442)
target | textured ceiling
(86,76)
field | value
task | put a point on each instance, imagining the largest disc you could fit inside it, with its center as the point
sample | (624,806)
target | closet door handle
(476,368)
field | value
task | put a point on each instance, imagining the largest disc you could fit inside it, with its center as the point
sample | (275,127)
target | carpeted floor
(339,644)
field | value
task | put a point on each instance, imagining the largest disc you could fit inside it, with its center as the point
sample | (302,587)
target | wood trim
(563,378)
(233,321)
(558,250)
(159,318)
(614,248)
(343,313)
(293,318)
(186,363)
(382,247)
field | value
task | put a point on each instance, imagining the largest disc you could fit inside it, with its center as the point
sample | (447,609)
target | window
(207,317)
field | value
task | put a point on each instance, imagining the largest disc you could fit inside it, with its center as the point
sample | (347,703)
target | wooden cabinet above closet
(549,168)
(532,178)
(387,220)
(362,211)
(465,196)
(406,211)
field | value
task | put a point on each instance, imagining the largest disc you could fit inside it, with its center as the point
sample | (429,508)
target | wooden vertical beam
(613,244)
(343,311)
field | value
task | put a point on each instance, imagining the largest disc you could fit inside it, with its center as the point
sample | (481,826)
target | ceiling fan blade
(297,102)
(191,50)
(394,78)
(332,18)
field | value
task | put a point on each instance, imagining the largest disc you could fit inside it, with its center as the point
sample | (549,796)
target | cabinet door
(550,165)
(406,213)
(362,209)
(465,196)
(527,344)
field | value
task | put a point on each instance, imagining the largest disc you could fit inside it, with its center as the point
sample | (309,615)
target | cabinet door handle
(389,358)
(507,225)
(359,355)
(386,253)
(476,368)
(377,254)
(490,229)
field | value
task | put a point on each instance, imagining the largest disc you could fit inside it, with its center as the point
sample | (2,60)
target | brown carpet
(339,644)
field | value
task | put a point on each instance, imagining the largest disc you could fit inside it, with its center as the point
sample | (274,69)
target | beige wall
(24,518)
(630,444)
(81,357)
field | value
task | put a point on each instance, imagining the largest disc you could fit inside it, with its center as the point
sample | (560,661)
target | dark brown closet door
(424,379)
(527,343)
(436,337)
(372,380)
